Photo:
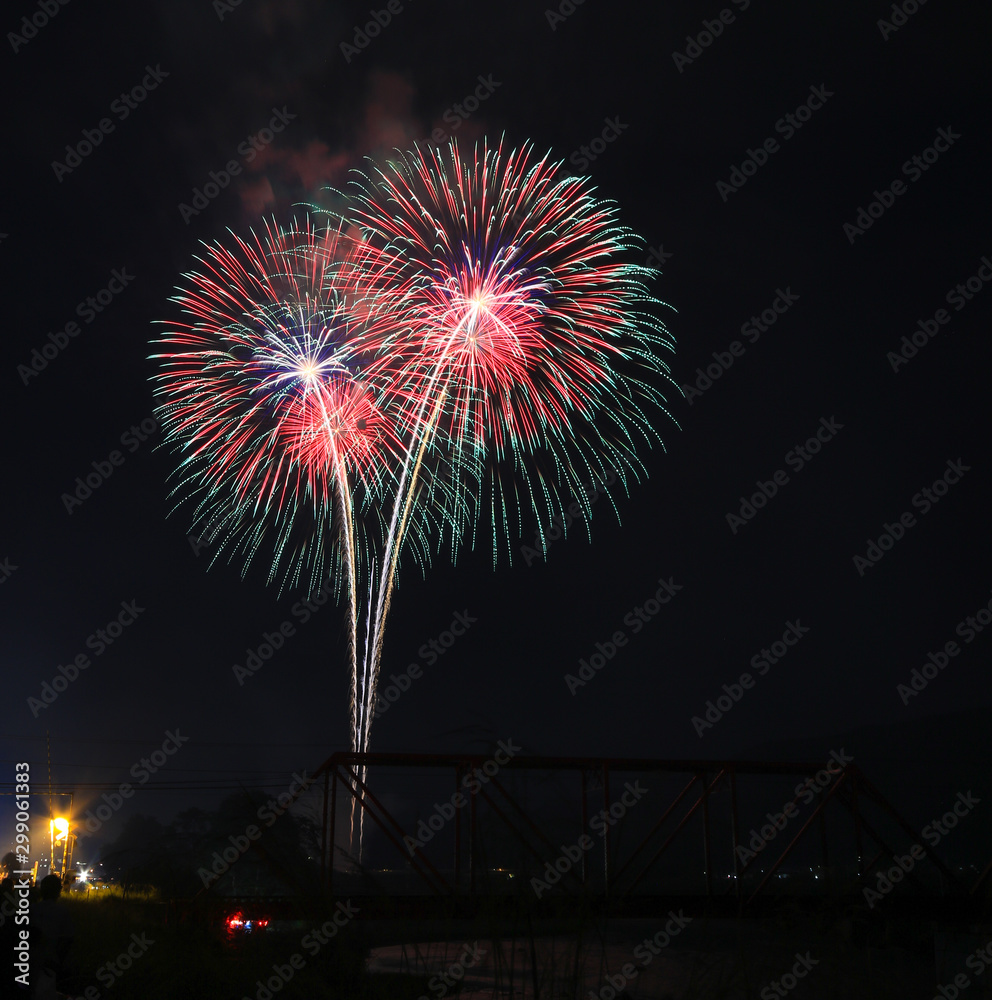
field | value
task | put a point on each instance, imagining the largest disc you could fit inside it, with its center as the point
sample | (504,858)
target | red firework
(509,281)
(337,424)
(263,392)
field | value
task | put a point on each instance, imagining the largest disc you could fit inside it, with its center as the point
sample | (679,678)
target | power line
(172,770)
(144,742)
(187,786)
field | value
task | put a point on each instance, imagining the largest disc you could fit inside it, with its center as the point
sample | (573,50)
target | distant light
(237,920)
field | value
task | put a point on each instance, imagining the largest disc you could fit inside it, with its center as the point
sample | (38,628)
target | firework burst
(528,346)
(261,397)
(471,354)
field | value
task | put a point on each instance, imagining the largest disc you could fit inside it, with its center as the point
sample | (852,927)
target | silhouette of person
(52,934)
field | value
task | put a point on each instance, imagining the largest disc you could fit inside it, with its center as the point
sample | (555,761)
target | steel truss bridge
(629,834)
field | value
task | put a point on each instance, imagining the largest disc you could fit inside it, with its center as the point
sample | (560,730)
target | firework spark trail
(394,539)
(347,531)
(375,625)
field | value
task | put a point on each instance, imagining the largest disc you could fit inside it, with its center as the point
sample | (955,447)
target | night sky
(751,166)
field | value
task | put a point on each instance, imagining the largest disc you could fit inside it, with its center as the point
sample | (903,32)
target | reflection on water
(670,958)
(505,970)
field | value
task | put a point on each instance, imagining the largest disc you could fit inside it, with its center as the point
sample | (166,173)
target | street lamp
(59,832)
